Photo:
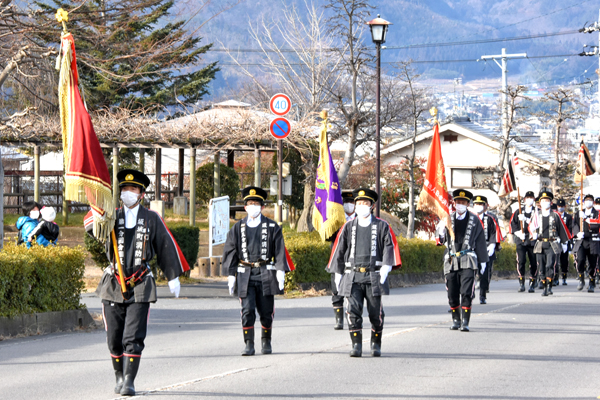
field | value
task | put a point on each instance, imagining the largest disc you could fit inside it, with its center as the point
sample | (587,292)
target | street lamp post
(379,28)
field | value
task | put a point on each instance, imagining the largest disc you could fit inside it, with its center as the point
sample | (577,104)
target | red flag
(86,175)
(509,181)
(585,165)
(434,195)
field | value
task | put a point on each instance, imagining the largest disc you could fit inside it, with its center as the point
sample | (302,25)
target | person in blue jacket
(28,222)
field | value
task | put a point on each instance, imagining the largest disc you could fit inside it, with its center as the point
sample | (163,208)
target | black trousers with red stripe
(546,261)
(257,301)
(126,326)
(461,287)
(354,306)
(584,253)
(524,252)
(564,263)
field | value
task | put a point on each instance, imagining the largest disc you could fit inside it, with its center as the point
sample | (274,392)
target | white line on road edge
(186,383)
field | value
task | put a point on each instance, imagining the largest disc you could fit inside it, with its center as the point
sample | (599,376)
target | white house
(468,147)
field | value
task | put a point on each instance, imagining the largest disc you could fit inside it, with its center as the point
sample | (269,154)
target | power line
(412,46)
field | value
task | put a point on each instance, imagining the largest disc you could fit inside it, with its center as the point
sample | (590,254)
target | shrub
(310,256)
(230,183)
(40,279)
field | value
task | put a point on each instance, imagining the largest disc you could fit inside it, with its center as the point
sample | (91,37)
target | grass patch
(74,219)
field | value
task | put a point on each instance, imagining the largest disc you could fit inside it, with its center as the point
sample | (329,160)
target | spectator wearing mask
(46,232)
(28,222)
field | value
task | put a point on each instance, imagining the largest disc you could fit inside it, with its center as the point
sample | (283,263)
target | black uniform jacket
(560,232)
(491,232)
(515,226)
(590,235)
(474,255)
(387,253)
(157,241)
(276,257)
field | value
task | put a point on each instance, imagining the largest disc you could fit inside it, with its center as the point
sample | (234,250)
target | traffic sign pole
(280,179)
(280,128)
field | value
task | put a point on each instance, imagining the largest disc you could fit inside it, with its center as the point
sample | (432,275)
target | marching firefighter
(364,253)
(586,245)
(140,235)
(336,299)
(464,256)
(493,238)
(519,224)
(564,255)
(552,238)
(255,256)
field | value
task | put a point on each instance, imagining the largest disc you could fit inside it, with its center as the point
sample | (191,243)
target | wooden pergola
(228,129)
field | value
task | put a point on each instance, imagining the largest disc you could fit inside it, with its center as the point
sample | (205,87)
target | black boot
(375,344)
(545,292)
(130,370)
(592,285)
(531,285)
(117,363)
(555,281)
(339,318)
(466,316)
(455,319)
(482,300)
(266,341)
(541,284)
(249,340)
(564,276)
(356,344)
(521,284)
(581,283)
(549,283)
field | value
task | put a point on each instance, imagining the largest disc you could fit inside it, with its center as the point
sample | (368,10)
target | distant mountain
(442,21)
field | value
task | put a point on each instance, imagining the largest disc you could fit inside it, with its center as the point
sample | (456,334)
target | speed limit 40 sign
(280,104)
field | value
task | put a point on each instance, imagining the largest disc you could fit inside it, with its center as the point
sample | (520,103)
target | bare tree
(566,106)
(417,101)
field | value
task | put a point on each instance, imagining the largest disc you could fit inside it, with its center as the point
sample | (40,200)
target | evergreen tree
(130,54)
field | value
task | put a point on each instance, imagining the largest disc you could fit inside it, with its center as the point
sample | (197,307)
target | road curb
(42,323)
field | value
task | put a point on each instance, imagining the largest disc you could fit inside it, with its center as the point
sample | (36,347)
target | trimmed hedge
(310,256)
(187,237)
(40,279)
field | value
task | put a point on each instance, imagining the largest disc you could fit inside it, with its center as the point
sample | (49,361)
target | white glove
(582,214)
(522,218)
(483,265)
(534,236)
(383,273)
(491,248)
(520,235)
(175,287)
(338,279)
(231,283)
(564,247)
(281,279)
(441,228)
(580,235)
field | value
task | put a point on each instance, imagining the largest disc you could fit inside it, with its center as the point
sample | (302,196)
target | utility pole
(502,66)
(595,49)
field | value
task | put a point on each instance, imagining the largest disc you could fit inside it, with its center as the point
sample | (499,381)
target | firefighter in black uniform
(491,232)
(141,234)
(336,299)
(363,255)
(525,242)
(552,238)
(586,243)
(564,255)
(255,256)
(597,208)
(463,257)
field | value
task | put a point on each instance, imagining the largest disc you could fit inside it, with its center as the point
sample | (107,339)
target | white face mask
(478,208)
(363,211)
(597,206)
(529,202)
(588,203)
(34,214)
(253,211)
(461,209)
(129,198)
(545,205)
(561,209)
(348,208)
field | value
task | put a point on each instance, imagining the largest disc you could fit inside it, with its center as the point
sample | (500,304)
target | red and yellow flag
(86,176)
(434,195)
(585,165)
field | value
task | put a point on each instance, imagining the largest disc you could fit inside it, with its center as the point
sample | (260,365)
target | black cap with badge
(133,177)
(254,193)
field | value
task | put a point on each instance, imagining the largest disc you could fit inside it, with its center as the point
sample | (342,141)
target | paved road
(522,346)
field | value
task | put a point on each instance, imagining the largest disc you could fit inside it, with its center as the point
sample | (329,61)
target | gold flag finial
(62,16)
(434,112)
(323,114)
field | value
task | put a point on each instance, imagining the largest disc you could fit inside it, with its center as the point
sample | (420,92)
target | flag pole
(581,205)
